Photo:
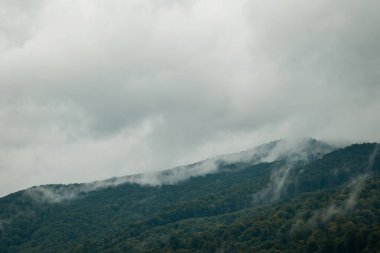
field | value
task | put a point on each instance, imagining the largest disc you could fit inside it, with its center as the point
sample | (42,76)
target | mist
(291,151)
(325,214)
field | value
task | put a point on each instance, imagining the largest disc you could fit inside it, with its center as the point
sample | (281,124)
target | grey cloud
(155,84)
(15,19)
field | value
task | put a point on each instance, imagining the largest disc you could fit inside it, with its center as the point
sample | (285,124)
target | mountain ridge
(243,207)
(308,148)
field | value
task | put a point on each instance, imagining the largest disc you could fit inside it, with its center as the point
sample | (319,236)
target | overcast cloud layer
(91,89)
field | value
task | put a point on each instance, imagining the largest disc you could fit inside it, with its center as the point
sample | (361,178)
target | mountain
(279,197)
(296,150)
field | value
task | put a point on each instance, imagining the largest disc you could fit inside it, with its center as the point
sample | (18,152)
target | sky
(91,89)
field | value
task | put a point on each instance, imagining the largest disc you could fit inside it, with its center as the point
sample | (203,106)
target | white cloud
(79,80)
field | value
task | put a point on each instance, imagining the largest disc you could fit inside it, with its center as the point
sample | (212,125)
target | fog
(291,151)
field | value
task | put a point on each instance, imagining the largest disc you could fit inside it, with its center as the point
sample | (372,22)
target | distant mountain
(303,196)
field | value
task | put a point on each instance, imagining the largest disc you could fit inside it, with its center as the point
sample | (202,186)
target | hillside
(304,199)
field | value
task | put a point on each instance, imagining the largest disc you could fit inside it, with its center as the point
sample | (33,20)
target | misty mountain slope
(218,211)
(306,149)
(133,203)
(324,221)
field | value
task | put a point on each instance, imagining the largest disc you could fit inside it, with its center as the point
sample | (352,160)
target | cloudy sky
(91,89)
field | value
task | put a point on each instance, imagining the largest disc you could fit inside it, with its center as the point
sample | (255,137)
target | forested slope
(323,204)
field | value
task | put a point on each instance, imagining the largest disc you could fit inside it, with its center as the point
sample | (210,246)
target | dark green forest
(327,203)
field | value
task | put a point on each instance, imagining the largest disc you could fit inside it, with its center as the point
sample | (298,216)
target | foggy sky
(95,89)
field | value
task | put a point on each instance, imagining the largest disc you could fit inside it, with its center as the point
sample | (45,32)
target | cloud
(94,89)
(16,22)
(285,150)
(372,157)
(325,214)
(59,193)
